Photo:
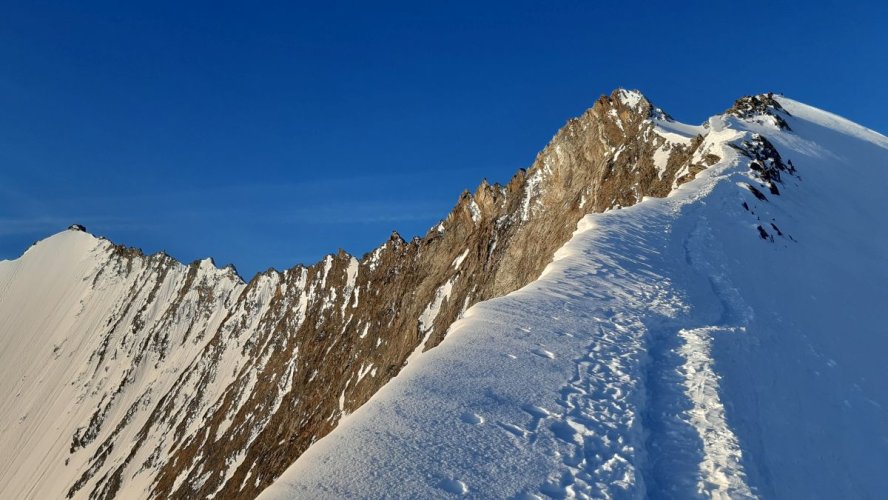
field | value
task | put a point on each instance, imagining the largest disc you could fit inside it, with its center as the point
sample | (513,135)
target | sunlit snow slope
(65,292)
(728,340)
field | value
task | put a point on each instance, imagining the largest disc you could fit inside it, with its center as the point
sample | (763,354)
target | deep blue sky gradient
(268,134)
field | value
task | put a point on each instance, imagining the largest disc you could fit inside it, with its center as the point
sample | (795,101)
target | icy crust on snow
(669,350)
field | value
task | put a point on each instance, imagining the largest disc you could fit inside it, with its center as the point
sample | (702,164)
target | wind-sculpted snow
(133,376)
(713,343)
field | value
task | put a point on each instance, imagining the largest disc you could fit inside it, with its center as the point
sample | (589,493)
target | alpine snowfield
(726,341)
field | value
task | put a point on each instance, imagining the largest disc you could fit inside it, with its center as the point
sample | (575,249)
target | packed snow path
(672,350)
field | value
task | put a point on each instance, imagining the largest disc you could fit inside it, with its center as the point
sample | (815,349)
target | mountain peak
(625,101)
(632,105)
(632,99)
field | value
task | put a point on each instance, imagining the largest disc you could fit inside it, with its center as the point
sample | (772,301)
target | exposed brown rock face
(281,359)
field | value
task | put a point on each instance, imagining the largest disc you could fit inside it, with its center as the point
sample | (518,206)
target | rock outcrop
(761,108)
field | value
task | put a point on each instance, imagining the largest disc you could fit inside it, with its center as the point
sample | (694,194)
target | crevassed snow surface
(669,351)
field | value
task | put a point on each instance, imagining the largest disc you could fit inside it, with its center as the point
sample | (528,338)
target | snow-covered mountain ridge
(725,341)
(134,376)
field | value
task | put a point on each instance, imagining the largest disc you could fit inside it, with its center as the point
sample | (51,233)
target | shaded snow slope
(725,341)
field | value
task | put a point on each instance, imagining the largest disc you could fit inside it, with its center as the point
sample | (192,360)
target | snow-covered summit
(632,98)
(61,248)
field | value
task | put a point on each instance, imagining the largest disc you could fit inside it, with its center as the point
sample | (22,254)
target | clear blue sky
(268,135)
